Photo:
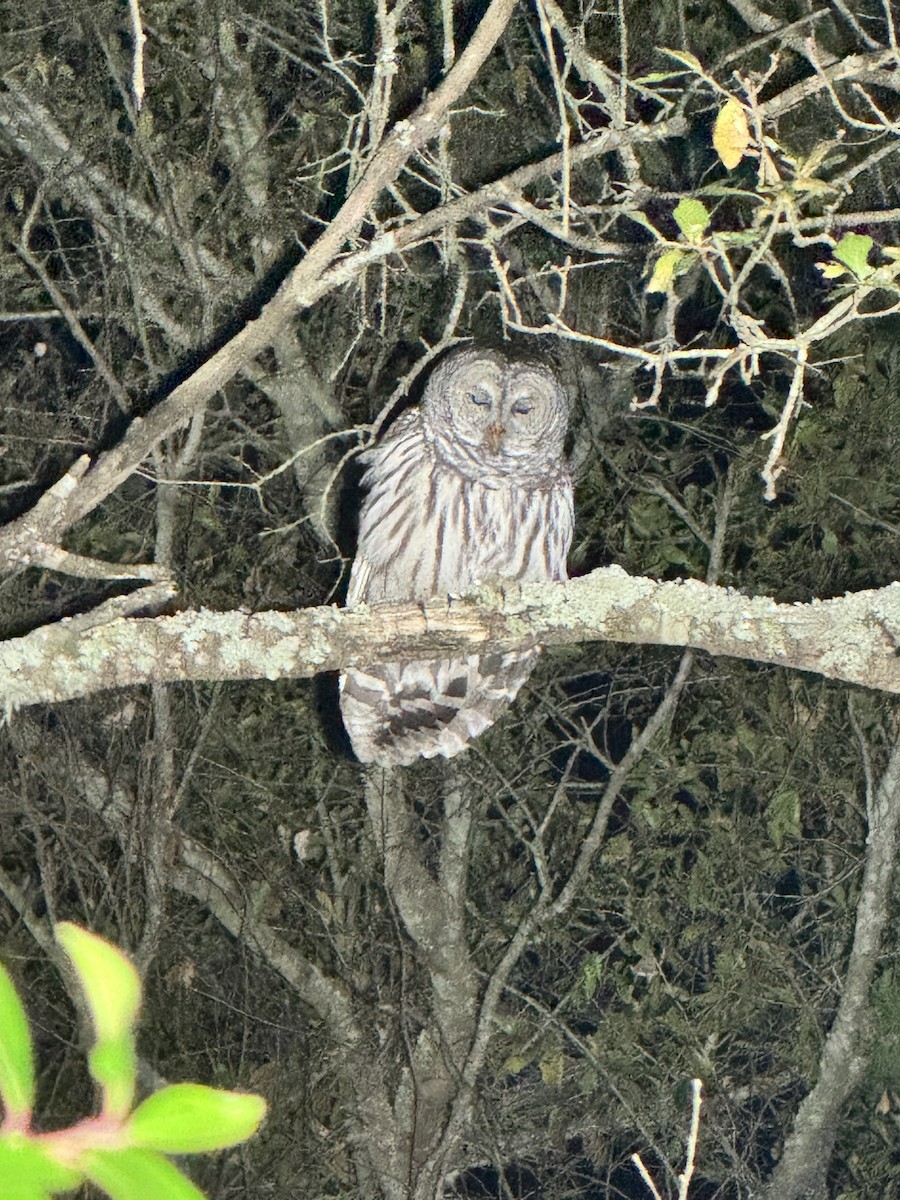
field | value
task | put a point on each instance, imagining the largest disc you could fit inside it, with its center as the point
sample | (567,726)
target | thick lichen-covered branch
(853,638)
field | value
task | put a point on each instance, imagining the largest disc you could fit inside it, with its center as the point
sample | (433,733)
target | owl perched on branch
(470,487)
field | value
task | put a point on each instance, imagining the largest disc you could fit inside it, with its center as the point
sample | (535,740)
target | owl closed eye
(502,408)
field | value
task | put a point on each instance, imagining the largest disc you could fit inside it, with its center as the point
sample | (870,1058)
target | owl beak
(493,438)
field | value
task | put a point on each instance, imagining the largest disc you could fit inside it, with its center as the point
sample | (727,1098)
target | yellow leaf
(731,134)
(515,1063)
(552,1069)
(690,60)
(665,269)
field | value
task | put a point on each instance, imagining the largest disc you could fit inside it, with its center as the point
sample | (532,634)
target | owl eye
(481,400)
(522,408)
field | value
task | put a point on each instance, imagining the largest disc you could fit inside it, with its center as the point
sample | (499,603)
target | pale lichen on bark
(852,638)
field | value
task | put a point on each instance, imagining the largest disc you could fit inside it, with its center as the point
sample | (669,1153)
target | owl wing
(560,527)
(392,539)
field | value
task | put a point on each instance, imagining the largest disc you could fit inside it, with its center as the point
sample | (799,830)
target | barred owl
(470,487)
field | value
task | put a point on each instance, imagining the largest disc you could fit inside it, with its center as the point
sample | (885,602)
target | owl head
(487,412)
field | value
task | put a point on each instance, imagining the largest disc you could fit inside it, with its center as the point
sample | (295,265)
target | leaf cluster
(123,1152)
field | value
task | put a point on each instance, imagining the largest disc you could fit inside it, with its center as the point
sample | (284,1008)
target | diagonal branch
(302,287)
(63,504)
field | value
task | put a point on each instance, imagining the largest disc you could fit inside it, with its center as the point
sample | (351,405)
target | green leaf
(783,816)
(853,251)
(731,133)
(135,1174)
(692,218)
(188,1118)
(515,1063)
(728,189)
(666,268)
(658,77)
(683,56)
(590,972)
(113,992)
(553,1069)
(27,1171)
(640,218)
(113,1064)
(16,1056)
(111,985)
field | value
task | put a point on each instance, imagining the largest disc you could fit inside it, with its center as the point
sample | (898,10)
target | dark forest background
(650,870)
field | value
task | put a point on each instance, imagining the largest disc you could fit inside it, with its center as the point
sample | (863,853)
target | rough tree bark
(853,638)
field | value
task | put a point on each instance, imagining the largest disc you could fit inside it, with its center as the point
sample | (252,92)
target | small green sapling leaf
(113,1064)
(27,1170)
(188,1118)
(684,56)
(111,984)
(667,266)
(16,1057)
(136,1174)
(112,989)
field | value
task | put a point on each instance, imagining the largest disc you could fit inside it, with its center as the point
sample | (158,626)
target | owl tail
(396,713)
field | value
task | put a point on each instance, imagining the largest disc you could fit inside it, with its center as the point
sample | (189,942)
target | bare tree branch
(303,286)
(111,468)
(801,1170)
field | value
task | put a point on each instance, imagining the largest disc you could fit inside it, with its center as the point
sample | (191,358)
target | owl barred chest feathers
(427,529)
(469,488)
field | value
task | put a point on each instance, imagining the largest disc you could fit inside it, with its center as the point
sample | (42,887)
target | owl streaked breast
(469,488)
